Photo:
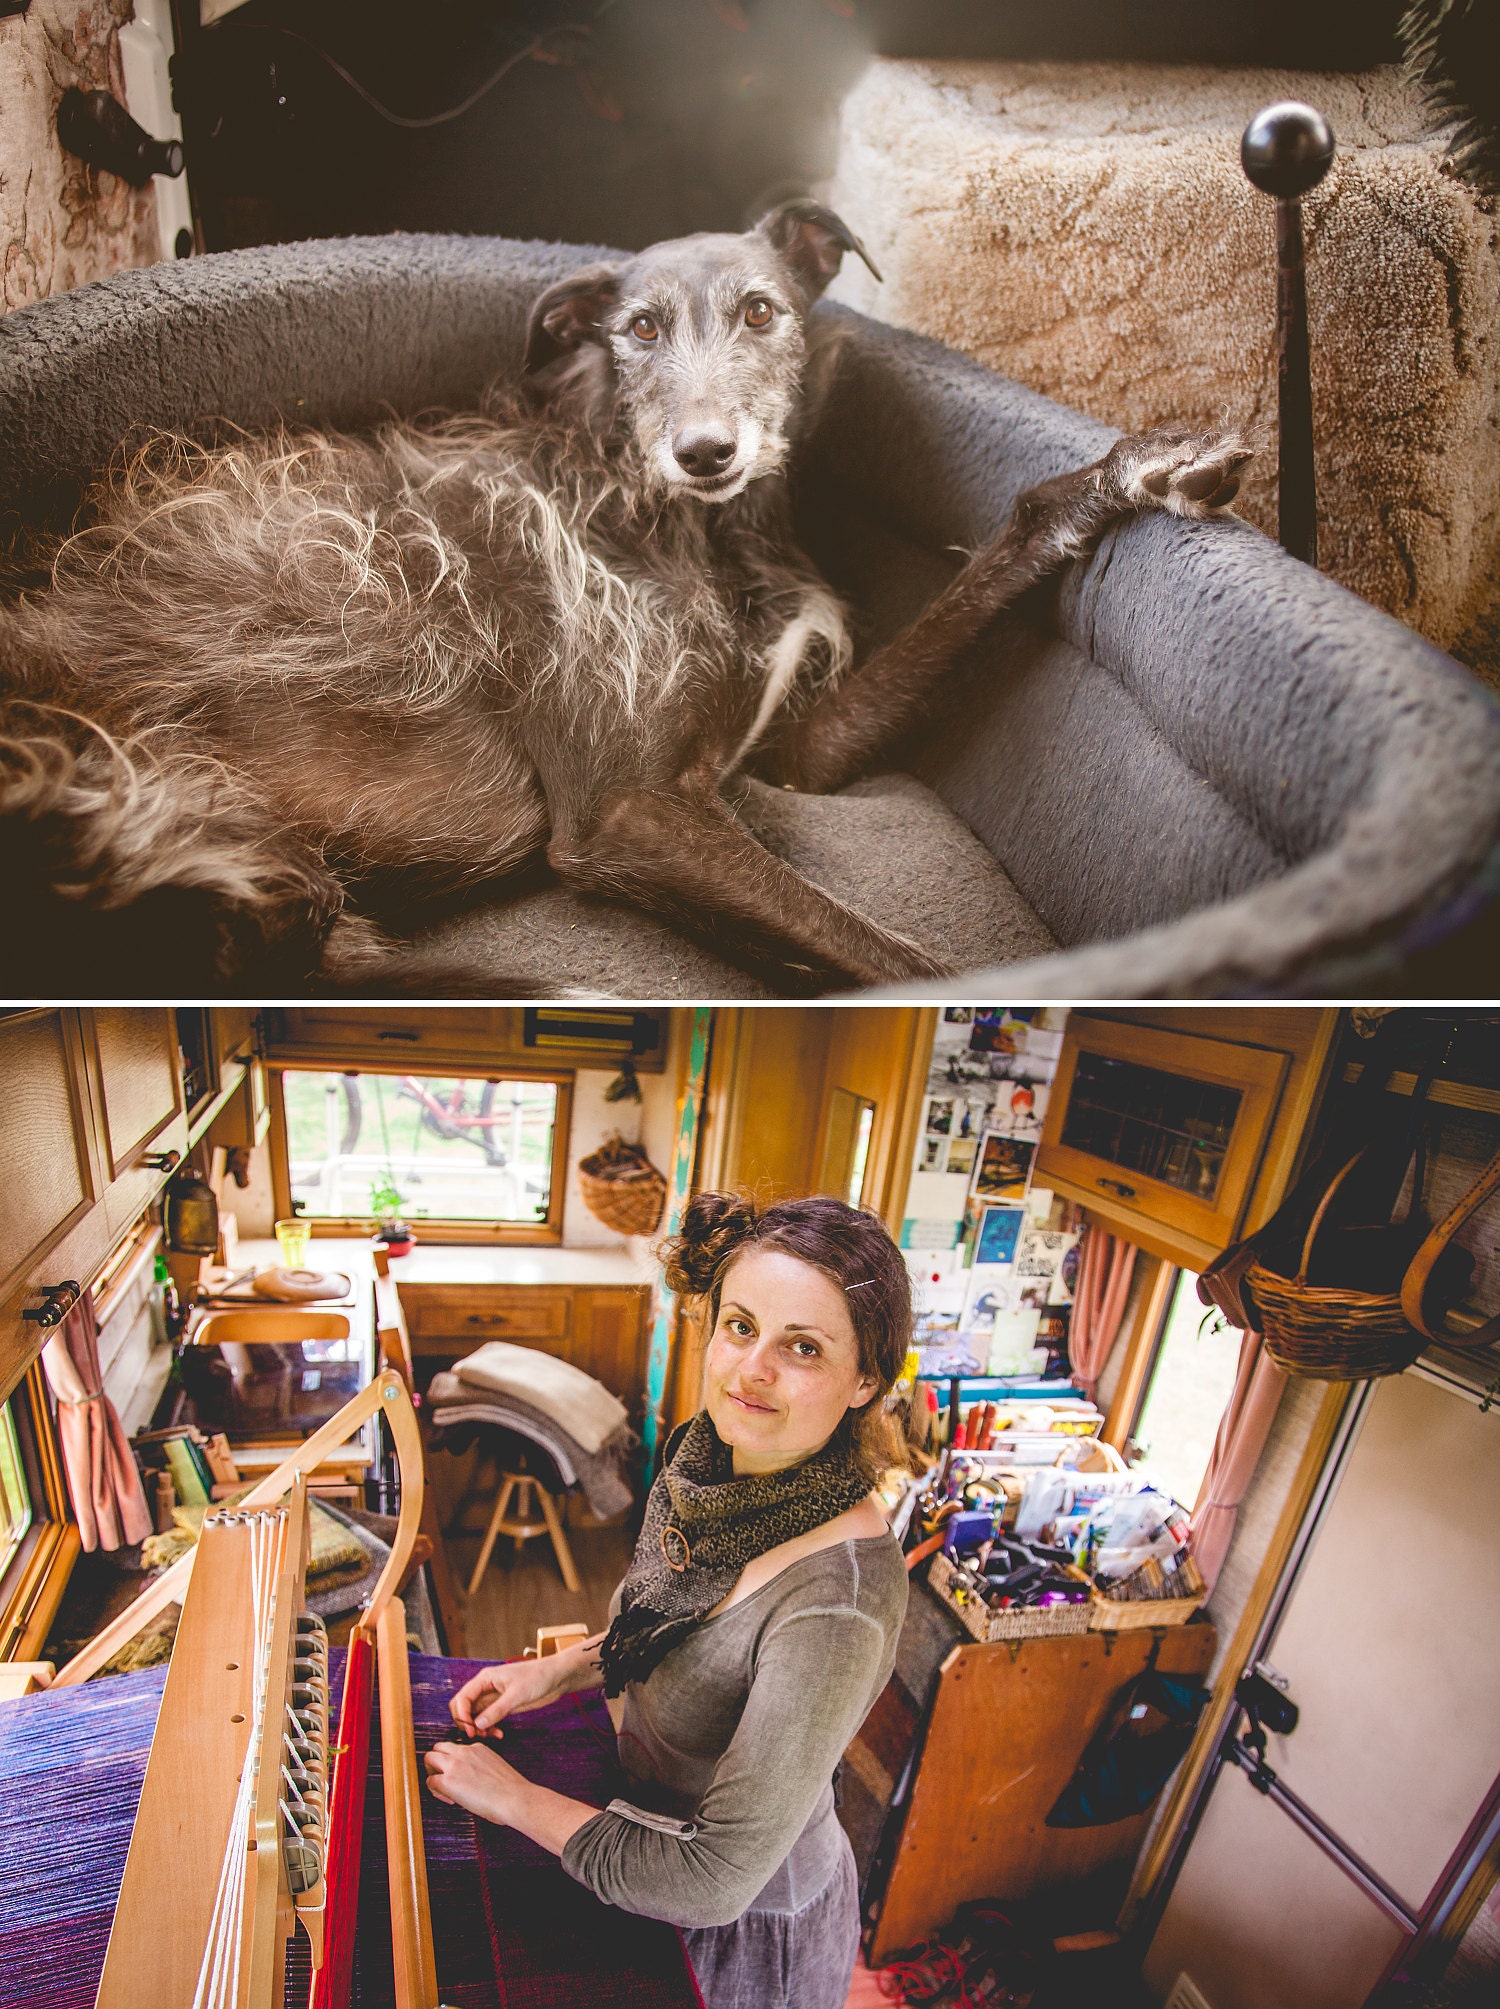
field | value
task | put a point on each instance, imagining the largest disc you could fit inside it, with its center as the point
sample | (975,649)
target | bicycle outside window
(460,1158)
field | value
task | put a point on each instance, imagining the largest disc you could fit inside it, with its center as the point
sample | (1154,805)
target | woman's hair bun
(713,1225)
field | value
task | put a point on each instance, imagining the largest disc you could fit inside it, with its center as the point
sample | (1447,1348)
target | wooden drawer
(455,1318)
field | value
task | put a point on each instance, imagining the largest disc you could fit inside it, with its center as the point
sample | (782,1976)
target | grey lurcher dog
(276,691)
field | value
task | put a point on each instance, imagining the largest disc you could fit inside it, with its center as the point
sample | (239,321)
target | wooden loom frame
(381,1631)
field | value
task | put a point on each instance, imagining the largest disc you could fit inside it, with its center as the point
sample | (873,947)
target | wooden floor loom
(239,1836)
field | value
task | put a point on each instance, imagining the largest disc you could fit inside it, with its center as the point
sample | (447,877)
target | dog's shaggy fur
(271,689)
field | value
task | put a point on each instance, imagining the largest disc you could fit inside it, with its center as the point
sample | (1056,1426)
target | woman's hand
(494,1693)
(474,1776)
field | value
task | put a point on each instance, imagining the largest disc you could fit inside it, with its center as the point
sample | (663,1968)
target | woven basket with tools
(622,1188)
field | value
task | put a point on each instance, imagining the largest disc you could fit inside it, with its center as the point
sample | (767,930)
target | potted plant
(391,1232)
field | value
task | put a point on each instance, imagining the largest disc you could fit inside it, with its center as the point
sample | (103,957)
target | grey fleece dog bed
(1193,767)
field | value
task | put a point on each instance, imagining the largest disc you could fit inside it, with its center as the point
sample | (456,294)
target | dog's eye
(644,328)
(758,314)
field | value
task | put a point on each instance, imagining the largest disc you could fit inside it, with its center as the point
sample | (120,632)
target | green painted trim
(679,1186)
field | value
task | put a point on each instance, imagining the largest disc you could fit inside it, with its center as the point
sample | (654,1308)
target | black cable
(532,48)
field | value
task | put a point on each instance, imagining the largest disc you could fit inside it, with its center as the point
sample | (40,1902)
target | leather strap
(1418,1277)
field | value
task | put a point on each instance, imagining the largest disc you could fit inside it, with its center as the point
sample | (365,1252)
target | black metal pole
(1286,150)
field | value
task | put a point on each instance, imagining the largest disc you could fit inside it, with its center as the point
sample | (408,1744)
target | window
(15,1494)
(1187,1392)
(456,1157)
(38,1540)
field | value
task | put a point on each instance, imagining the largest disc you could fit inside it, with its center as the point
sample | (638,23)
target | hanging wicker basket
(622,1188)
(1327,1332)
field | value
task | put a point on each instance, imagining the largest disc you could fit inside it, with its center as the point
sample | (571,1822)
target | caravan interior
(381,1281)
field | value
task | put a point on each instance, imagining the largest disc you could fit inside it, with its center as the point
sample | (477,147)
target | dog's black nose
(704,449)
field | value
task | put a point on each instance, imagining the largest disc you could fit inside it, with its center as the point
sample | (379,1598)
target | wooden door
(1387,1644)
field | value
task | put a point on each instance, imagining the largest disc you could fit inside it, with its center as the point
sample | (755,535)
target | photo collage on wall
(992,1255)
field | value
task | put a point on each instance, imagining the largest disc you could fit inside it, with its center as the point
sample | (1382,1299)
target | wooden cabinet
(91,1094)
(462,1039)
(598,1328)
(49,1170)
(140,1087)
(1006,1729)
(1160,1133)
(445,1316)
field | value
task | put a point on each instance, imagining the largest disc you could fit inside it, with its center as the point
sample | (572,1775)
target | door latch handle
(1117,1186)
(56,1304)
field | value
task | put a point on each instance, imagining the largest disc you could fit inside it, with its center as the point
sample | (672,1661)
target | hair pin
(860,1286)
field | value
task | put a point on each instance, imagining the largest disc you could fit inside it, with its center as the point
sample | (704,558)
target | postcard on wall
(990,1287)
(1048,1259)
(1013,1343)
(939,1116)
(933,1155)
(961,1152)
(999,1231)
(1003,1171)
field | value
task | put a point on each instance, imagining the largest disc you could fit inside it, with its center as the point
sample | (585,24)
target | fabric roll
(103,1483)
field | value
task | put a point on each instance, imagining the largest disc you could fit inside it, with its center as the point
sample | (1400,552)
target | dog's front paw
(1190,473)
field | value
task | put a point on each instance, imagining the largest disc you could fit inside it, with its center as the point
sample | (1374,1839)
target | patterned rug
(512,1931)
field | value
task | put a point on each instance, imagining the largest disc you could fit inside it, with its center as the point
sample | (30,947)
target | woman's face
(783,1361)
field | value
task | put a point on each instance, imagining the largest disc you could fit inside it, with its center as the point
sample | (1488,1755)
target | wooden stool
(521,1485)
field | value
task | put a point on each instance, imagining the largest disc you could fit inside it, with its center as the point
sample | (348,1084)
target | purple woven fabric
(511,1930)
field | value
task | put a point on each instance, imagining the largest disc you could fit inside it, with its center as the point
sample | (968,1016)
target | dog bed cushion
(888,847)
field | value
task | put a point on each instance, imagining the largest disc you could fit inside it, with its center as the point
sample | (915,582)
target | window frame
(31,1586)
(548,1233)
(1143,1346)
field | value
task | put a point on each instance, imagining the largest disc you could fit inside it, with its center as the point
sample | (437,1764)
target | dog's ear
(568,314)
(812,240)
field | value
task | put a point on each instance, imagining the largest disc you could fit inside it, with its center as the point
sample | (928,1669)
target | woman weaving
(755,1627)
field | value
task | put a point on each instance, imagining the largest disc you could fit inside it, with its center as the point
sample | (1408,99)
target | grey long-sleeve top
(732,1742)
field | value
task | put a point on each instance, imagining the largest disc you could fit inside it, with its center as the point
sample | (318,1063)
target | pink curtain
(1104,1272)
(103,1482)
(1243,1429)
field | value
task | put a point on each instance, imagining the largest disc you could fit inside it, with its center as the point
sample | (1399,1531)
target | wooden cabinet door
(1154,1129)
(609,1342)
(49,1173)
(140,1087)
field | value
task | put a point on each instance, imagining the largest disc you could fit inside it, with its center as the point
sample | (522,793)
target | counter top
(464,1262)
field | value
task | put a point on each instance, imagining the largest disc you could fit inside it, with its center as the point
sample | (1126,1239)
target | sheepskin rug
(1087,229)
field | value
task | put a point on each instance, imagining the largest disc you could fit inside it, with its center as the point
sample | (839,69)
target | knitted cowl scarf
(702,1527)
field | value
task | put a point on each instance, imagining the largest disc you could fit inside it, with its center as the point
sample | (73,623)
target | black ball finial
(1287,149)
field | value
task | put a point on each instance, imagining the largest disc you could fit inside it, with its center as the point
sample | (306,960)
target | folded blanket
(582,1406)
(456,1412)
